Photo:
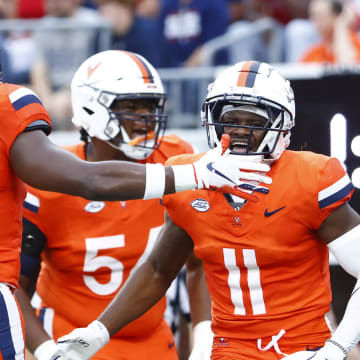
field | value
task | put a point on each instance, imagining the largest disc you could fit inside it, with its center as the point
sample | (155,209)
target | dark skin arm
(35,333)
(200,302)
(149,282)
(41,164)
(341,220)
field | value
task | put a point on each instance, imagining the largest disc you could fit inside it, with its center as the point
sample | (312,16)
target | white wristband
(184,177)
(155,181)
(44,349)
(202,331)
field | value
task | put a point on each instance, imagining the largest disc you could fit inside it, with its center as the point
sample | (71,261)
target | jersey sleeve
(20,107)
(334,189)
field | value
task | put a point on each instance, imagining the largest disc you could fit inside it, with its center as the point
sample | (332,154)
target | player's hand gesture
(234,174)
(81,343)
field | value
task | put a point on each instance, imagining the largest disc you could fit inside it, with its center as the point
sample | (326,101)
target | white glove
(330,351)
(218,170)
(203,340)
(43,350)
(82,343)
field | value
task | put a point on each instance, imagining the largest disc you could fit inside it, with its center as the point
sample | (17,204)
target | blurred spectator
(59,52)
(237,9)
(335,21)
(267,45)
(131,32)
(282,11)
(186,25)
(89,3)
(17,49)
(31,9)
(147,8)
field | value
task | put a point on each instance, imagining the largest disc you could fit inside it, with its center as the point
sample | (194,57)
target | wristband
(184,177)
(202,331)
(155,181)
(44,349)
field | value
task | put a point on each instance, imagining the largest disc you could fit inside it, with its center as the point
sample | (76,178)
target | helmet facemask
(258,88)
(274,127)
(149,127)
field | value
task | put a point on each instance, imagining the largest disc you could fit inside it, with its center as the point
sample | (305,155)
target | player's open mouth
(239,146)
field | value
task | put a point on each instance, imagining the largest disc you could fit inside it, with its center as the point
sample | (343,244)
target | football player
(27,156)
(89,248)
(266,262)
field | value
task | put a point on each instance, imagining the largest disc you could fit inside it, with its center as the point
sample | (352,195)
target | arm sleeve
(33,242)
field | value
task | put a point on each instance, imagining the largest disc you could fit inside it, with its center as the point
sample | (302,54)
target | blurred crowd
(168,33)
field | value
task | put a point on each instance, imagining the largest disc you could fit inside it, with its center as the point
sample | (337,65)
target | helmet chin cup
(135,152)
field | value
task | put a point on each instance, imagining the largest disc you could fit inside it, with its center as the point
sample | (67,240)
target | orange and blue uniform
(91,248)
(267,270)
(19,108)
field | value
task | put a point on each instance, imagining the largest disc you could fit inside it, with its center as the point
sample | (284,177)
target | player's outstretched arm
(145,286)
(41,164)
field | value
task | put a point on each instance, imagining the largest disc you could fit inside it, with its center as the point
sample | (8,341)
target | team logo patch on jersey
(200,205)
(94,206)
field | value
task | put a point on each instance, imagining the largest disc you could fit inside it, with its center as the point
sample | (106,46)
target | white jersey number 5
(93,262)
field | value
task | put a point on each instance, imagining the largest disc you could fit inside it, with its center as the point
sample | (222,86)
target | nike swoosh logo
(76,340)
(313,349)
(171,345)
(217,172)
(270,213)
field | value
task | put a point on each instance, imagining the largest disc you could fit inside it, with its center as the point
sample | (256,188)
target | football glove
(203,340)
(43,350)
(220,170)
(81,343)
(330,351)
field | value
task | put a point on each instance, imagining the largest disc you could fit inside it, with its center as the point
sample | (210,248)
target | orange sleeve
(184,159)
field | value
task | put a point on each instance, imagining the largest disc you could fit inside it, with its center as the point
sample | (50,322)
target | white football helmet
(254,85)
(111,76)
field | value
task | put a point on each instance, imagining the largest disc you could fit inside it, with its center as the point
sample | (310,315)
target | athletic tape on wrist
(155,181)
(202,329)
(184,177)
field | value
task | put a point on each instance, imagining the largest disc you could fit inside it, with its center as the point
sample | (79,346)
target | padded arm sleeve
(33,242)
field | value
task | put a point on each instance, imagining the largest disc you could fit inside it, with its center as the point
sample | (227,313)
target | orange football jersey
(266,268)
(19,107)
(91,248)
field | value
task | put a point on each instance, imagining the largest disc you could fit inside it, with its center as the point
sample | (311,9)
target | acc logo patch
(200,205)
(94,206)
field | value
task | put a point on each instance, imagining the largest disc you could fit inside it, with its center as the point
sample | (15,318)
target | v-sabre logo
(270,213)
